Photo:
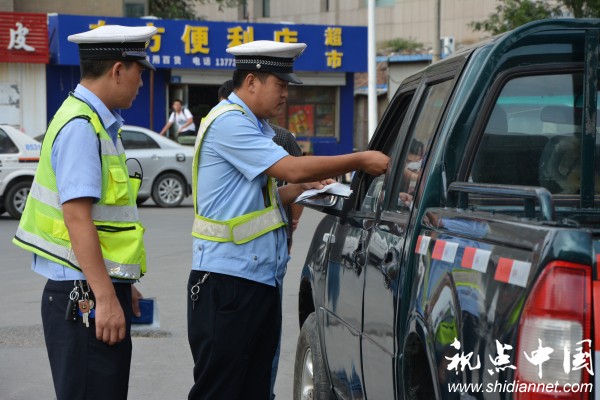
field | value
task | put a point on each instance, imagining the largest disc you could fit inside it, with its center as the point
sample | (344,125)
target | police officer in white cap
(81,220)
(240,251)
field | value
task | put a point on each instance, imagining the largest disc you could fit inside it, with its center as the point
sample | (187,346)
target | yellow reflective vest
(42,228)
(243,228)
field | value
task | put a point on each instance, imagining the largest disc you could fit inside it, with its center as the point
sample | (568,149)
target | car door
(342,305)
(384,271)
(342,311)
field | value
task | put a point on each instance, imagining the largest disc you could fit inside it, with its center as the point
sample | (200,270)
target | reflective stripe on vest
(42,229)
(99,212)
(122,271)
(240,229)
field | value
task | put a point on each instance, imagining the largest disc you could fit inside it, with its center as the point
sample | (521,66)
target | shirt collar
(233,98)
(111,120)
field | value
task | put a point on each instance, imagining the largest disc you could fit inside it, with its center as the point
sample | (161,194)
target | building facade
(394,18)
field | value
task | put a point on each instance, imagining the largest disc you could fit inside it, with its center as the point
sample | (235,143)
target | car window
(419,141)
(533,135)
(370,188)
(137,140)
(7,146)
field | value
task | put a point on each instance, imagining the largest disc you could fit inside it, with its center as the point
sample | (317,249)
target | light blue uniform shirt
(76,162)
(235,152)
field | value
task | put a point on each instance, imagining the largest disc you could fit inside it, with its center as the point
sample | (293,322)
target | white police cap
(276,58)
(115,42)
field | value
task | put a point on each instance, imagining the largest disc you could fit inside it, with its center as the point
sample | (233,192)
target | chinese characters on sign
(18,38)
(333,38)
(23,38)
(582,358)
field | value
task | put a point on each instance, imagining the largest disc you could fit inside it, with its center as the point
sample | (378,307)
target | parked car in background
(166,166)
(19,156)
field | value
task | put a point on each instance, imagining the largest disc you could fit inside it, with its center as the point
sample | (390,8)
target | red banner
(23,38)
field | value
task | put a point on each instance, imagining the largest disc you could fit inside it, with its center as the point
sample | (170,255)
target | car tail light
(557,315)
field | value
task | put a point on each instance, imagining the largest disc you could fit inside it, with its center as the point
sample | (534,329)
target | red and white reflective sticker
(513,271)
(476,259)
(422,244)
(445,251)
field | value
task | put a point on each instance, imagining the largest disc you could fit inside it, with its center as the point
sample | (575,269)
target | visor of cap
(288,77)
(145,63)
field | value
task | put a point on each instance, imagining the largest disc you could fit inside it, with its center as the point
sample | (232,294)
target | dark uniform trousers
(82,366)
(233,329)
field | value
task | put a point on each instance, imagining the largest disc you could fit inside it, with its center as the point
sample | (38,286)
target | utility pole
(372,71)
(437,45)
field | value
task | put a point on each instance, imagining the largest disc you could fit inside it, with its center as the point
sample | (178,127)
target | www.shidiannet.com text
(520,387)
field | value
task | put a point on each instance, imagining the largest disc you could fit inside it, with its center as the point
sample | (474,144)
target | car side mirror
(329,204)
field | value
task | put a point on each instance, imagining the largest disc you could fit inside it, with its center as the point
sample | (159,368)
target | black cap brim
(146,64)
(288,77)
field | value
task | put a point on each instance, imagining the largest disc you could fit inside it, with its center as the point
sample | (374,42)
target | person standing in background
(183,120)
(82,224)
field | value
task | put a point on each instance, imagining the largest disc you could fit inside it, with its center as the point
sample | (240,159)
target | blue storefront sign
(202,44)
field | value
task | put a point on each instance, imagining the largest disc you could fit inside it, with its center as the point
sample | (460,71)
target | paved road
(162,363)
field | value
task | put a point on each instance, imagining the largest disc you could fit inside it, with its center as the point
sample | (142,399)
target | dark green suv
(470,269)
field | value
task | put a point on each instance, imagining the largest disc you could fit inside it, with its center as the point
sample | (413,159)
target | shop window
(135,9)
(310,111)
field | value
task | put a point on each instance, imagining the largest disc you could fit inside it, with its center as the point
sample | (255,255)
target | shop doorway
(202,98)
(199,99)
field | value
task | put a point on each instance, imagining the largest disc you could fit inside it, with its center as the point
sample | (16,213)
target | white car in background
(166,165)
(19,156)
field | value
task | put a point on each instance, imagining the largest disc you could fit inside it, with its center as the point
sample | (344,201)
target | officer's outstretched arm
(316,168)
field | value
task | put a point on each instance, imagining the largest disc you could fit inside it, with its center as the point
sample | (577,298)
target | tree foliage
(183,9)
(583,8)
(513,13)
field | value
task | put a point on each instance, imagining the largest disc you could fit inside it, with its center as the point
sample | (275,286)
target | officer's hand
(110,320)
(317,184)
(374,162)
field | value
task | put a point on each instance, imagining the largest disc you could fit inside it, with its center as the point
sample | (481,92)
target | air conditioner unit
(447,45)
